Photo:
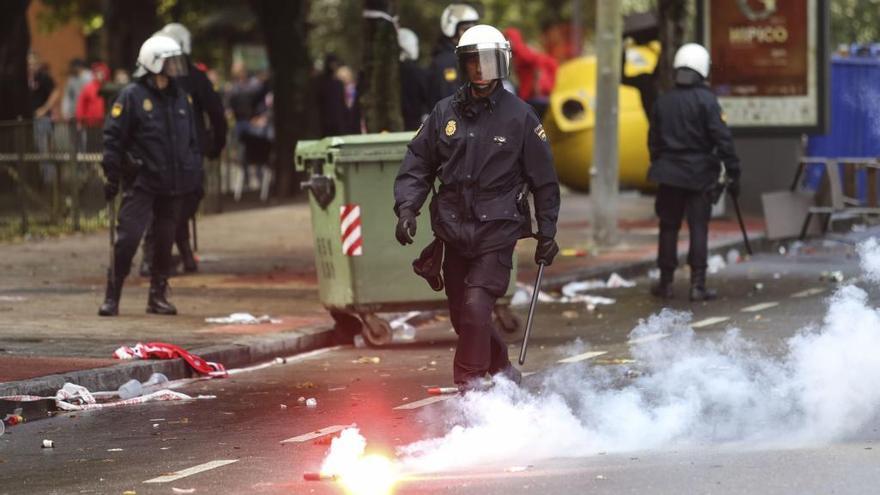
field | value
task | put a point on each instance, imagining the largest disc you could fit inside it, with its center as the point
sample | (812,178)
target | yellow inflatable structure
(570,119)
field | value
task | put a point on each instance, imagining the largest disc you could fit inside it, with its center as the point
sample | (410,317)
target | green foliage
(854,21)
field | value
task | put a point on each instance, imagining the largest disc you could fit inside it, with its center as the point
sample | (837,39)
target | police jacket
(413,94)
(688,139)
(206,103)
(150,139)
(443,78)
(483,152)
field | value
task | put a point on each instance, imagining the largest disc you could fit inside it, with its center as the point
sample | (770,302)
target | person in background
(535,71)
(443,76)
(44,96)
(351,116)
(689,142)
(77,79)
(90,104)
(413,81)
(330,92)
(152,154)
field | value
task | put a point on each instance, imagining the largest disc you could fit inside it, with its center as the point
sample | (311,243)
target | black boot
(110,307)
(663,288)
(699,292)
(188,258)
(157,303)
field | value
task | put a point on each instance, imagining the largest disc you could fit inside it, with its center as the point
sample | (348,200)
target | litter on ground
(243,319)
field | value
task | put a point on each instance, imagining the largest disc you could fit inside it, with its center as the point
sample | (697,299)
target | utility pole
(604,181)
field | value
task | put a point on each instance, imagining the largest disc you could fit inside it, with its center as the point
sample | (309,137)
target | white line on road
(423,402)
(305,437)
(648,338)
(286,360)
(709,321)
(809,292)
(191,471)
(759,307)
(582,357)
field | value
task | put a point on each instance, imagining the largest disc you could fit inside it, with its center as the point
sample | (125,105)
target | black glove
(111,189)
(406,227)
(546,250)
(733,188)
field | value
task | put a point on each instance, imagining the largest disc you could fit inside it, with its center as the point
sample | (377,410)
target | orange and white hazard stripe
(350,226)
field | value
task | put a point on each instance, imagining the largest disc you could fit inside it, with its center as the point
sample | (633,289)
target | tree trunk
(15,39)
(284,26)
(672,16)
(128,24)
(380,84)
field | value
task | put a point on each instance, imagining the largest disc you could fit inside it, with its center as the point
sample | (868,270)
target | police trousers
(139,210)
(189,206)
(473,285)
(671,205)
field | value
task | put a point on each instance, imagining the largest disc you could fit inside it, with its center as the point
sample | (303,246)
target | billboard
(769,63)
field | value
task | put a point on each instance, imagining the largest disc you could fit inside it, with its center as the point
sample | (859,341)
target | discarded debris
(616,281)
(243,319)
(12,298)
(301,400)
(162,350)
(733,257)
(759,286)
(306,385)
(283,406)
(48,444)
(654,274)
(115,450)
(716,263)
(367,360)
(600,477)
(183,490)
(578,253)
(443,390)
(834,276)
(280,360)
(517,469)
(572,289)
(570,315)
(319,477)
(311,402)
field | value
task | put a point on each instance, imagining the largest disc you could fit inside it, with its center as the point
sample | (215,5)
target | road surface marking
(809,292)
(284,360)
(423,402)
(528,373)
(305,437)
(759,307)
(709,321)
(191,471)
(582,357)
(648,338)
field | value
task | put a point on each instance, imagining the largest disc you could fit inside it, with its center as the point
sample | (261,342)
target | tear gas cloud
(692,391)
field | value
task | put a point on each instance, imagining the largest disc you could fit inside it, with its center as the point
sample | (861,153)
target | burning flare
(358,473)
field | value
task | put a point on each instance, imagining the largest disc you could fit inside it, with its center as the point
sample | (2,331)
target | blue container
(854,129)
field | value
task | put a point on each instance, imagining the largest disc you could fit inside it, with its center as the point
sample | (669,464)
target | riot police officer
(207,106)
(443,74)
(152,152)
(688,141)
(485,146)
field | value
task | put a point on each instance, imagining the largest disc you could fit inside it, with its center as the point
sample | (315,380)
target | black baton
(111,206)
(742,226)
(525,344)
(195,235)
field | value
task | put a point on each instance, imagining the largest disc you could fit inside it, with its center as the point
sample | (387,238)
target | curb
(232,355)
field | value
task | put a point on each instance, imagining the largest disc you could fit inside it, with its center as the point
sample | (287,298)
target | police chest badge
(451,126)
(148,105)
(450,74)
(116,111)
(540,132)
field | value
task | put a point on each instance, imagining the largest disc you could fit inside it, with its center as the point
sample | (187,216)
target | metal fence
(51,179)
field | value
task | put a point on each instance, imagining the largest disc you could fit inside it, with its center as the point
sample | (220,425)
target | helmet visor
(483,65)
(174,66)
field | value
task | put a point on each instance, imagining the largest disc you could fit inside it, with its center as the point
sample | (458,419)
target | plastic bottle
(130,389)
(156,379)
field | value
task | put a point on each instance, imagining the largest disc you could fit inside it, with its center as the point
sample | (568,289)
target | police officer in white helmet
(443,75)
(414,103)
(151,153)
(486,147)
(688,141)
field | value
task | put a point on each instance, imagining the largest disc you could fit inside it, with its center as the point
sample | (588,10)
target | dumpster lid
(387,146)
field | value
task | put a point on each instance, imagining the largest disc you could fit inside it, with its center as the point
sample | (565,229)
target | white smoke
(691,391)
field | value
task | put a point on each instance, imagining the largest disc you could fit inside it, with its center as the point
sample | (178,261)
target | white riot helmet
(160,55)
(455,14)
(483,54)
(409,44)
(179,33)
(692,56)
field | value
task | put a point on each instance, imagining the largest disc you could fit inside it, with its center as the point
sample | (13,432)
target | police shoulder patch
(148,105)
(189,99)
(723,117)
(539,131)
(116,111)
(450,74)
(451,127)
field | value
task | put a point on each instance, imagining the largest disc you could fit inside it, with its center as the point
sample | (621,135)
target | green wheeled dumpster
(362,269)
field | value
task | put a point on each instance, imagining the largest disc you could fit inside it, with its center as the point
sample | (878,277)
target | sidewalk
(256,261)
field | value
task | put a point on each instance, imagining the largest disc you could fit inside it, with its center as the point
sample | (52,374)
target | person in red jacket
(90,104)
(536,71)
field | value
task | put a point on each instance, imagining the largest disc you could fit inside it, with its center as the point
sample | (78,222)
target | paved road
(607,409)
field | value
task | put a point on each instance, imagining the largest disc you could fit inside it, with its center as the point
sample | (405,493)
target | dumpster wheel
(376,331)
(506,320)
(347,326)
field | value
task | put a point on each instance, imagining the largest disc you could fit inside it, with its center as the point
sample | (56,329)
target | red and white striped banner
(350,226)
